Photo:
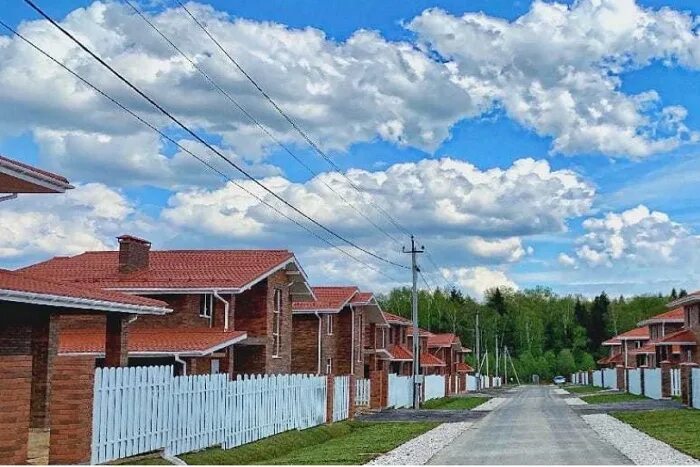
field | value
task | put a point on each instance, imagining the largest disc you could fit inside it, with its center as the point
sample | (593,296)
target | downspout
(183,363)
(352,340)
(318,350)
(226,308)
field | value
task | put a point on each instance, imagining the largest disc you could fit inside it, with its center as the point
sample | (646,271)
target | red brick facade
(15,387)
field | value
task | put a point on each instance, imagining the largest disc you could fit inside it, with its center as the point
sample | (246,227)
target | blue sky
(589,114)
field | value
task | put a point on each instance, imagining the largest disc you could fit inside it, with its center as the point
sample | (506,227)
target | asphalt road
(533,427)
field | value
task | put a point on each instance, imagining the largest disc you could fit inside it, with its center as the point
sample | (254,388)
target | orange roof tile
(673,316)
(328,299)
(464,368)
(18,177)
(682,337)
(362,298)
(443,340)
(168,269)
(22,287)
(396,319)
(399,352)
(649,348)
(152,341)
(430,360)
(636,334)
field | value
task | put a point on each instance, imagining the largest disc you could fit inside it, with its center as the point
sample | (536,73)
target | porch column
(116,339)
(44,351)
(666,379)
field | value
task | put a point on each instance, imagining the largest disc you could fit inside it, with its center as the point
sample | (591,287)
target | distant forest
(546,334)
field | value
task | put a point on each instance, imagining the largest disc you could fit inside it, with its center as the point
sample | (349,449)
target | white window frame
(329,366)
(276,322)
(208,300)
(329,325)
(361,343)
(383,338)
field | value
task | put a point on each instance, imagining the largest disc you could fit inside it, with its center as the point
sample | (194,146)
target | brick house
(681,345)
(400,348)
(39,389)
(329,332)
(231,308)
(625,348)
(448,348)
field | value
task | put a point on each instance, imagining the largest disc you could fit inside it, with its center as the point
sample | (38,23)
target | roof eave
(80,303)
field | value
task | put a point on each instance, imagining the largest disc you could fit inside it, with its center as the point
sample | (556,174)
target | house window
(276,317)
(329,366)
(214,366)
(329,325)
(206,305)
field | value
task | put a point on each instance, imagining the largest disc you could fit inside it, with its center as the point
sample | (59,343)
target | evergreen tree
(597,321)
(581,313)
(682,293)
(496,301)
(674,294)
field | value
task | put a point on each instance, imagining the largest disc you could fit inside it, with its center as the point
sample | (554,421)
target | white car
(559,380)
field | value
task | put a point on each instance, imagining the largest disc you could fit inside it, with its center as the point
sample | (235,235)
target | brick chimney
(133,253)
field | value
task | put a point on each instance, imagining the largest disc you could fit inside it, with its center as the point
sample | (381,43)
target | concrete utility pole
(478,351)
(417,380)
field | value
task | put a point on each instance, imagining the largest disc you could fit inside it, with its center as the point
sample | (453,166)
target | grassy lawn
(612,398)
(340,443)
(583,389)
(679,428)
(148,461)
(455,403)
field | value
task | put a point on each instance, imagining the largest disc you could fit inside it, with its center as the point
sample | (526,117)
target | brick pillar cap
(666,361)
(689,364)
(619,366)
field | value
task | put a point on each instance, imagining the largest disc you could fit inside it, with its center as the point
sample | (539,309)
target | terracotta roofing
(328,299)
(673,316)
(396,319)
(429,360)
(443,340)
(464,368)
(22,287)
(168,269)
(18,177)
(362,298)
(612,341)
(615,359)
(399,353)
(637,334)
(166,341)
(649,348)
(682,337)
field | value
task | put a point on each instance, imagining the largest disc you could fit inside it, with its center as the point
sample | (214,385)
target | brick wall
(249,359)
(343,331)
(305,343)
(44,350)
(15,388)
(283,362)
(71,410)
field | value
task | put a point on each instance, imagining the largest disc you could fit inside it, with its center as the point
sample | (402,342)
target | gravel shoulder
(489,405)
(639,447)
(419,450)
(575,401)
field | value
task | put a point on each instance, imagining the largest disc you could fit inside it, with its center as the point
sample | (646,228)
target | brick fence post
(590,377)
(687,382)
(330,386)
(71,410)
(378,385)
(620,375)
(15,387)
(666,379)
(642,387)
(353,393)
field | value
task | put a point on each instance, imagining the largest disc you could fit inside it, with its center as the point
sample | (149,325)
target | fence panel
(675,381)
(471,383)
(635,381)
(652,383)
(610,378)
(362,391)
(400,391)
(434,387)
(341,398)
(598,378)
(695,389)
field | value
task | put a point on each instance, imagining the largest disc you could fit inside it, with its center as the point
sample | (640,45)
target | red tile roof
(396,319)
(615,359)
(329,299)
(682,337)
(169,269)
(362,298)
(152,341)
(464,368)
(5,161)
(648,348)
(637,334)
(18,177)
(443,340)
(399,352)
(673,316)
(430,360)
(23,287)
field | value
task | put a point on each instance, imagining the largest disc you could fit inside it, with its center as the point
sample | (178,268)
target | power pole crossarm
(414,317)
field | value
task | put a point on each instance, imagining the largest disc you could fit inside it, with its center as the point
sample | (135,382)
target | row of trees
(545,333)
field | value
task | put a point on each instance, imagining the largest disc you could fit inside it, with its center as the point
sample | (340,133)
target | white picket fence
(635,381)
(610,378)
(652,383)
(400,393)
(695,390)
(362,391)
(434,387)
(580,377)
(341,398)
(598,378)
(675,381)
(485,382)
(471,383)
(497,382)
(142,409)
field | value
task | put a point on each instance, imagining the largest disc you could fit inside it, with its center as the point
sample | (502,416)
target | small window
(206,305)
(329,325)
(276,317)
(329,366)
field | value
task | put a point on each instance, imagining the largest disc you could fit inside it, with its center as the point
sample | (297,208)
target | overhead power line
(291,121)
(250,117)
(201,140)
(177,144)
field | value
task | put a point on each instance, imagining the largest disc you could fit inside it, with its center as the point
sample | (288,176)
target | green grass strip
(612,398)
(583,389)
(455,403)
(680,428)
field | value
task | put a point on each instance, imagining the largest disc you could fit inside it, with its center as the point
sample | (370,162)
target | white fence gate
(610,378)
(434,387)
(675,381)
(362,392)
(142,409)
(471,383)
(341,398)
(695,389)
(400,391)
(635,381)
(652,383)
(598,378)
